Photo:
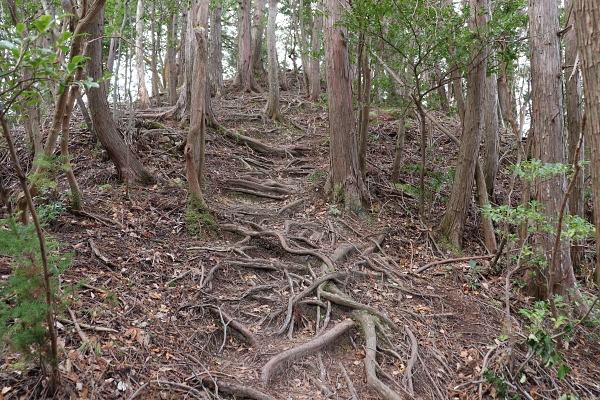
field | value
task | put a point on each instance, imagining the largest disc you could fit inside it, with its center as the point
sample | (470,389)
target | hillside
(171,316)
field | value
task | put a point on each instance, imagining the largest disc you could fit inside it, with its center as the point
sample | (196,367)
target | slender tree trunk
(144,99)
(441,89)
(184,102)
(587,27)
(365,107)
(306,22)
(129,168)
(258,27)
(344,181)
(154,56)
(172,58)
(503,97)
(573,97)
(491,134)
(314,75)
(453,223)
(272,108)
(548,145)
(215,51)
(399,150)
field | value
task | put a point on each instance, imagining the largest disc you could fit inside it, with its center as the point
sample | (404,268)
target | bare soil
(170,316)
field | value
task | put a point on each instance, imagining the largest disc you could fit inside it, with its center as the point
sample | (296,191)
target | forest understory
(290,297)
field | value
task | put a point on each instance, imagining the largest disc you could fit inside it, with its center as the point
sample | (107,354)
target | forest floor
(169,316)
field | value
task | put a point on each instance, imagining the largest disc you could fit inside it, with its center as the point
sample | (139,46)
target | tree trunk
(314,75)
(215,51)
(194,149)
(139,55)
(492,139)
(258,27)
(548,145)
(399,150)
(172,58)
(272,108)
(441,89)
(503,97)
(154,56)
(453,223)
(365,106)
(129,168)
(244,75)
(587,24)
(344,178)
(574,118)
(186,62)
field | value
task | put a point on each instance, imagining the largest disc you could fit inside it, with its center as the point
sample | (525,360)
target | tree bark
(258,27)
(272,108)
(365,106)
(314,75)
(344,181)
(573,97)
(244,75)
(587,26)
(491,134)
(172,58)
(144,99)
(453,223)
(548,144)
(215,51)
(127,164)
(154,56)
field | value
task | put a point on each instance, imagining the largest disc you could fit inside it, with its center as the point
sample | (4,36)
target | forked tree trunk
(587,26)
(573,97)
(344,180)
(129,168)
(272,108)
(453,223)
(258,27)
(548,146)
(314,75)
(144,99)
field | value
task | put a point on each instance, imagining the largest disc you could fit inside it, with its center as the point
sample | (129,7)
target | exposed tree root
(269,369)
(190,390)
(241,328)
(451,260)
(414,353)
(345,301)
(261,147)
(368,326)
(234,389)
(246,232)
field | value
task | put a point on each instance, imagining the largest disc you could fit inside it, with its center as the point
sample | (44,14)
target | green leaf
(20,27)
(562,371)
(5,44)
(43,23)
(523,379)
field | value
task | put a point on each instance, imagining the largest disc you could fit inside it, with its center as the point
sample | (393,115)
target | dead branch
(349,381)
(257,193)
(235,390)
(230,321)
(414,353)
(451,260)
(101,256)
(290,206)
(368,326)
(99,218)
(190,390)
(89,327)
(318,343)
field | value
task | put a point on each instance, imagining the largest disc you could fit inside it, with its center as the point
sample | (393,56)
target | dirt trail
(201,318)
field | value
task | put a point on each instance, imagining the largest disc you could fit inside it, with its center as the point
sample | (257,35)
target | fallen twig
(191,390)
(101,256)
(88,327)
(451,260)
(230,321)
(349,381)
(235,389)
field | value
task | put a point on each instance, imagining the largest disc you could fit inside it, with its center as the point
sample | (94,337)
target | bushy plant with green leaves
(24,309)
